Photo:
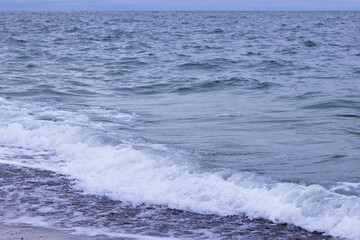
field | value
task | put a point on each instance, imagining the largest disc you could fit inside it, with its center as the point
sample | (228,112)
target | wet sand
(24,232)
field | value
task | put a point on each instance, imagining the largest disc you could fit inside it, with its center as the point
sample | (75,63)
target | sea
(181,125)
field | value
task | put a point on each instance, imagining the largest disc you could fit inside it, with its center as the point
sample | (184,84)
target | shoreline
(28,232)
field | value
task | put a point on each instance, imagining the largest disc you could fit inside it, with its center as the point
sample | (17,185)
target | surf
(157,174)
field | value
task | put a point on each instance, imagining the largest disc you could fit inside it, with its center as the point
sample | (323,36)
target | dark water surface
(222,125)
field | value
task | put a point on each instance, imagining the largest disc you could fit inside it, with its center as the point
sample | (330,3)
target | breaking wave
(125,170)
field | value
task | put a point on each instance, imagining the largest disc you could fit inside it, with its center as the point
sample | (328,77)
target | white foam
(346,186)
(38,221)
(99,231)
(128,174)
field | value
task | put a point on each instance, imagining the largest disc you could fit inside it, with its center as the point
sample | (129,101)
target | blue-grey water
(196,125)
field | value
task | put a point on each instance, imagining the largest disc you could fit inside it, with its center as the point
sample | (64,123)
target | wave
(196,86)
(156,174)
(309,43)
(218,30)
(216,63)
(277,63)
(225,83)
(335,104)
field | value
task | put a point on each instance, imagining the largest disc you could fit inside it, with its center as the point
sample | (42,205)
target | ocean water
(185,125)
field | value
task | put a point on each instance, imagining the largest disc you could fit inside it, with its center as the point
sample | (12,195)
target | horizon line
(124,10)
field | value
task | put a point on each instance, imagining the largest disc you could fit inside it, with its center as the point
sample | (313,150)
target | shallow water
(182,124)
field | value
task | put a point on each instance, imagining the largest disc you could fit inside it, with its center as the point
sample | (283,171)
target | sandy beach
(24,232)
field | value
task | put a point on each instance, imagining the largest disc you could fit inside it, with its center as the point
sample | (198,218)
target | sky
(187,5)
